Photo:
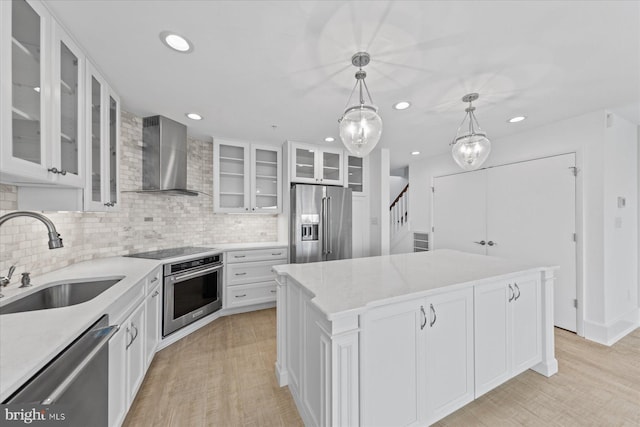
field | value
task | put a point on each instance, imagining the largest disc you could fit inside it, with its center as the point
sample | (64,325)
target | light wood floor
(223,375)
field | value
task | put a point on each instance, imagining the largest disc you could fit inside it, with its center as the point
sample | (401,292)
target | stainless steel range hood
(164,156)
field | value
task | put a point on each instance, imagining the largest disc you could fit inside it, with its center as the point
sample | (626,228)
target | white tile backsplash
(144,221)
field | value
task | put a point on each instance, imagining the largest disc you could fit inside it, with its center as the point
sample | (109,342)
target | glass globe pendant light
(470,148)
(360,124)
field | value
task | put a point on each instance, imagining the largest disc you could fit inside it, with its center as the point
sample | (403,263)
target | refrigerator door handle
(328,233)
(323,215)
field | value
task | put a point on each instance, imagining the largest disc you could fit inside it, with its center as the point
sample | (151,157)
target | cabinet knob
(481,242)
(491,243)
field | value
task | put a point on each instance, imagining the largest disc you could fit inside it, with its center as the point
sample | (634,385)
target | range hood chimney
(164,156)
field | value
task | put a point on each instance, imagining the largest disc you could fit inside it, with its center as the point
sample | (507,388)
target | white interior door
(531,218)
(459,212)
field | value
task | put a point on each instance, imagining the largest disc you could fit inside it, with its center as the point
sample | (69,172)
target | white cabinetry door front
(266,191)
(331,167)
(135,352)
(118,377)
(391,367)
(231,183)
(449,353)
(491,312)
(526,324)
(153,322)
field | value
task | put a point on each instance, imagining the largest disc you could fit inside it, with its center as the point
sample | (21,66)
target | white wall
(601,175)
(379,166)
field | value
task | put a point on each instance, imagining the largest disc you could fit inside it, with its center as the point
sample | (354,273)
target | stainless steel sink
(62,295)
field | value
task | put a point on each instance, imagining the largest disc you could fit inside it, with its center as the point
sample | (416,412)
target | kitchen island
(407,339)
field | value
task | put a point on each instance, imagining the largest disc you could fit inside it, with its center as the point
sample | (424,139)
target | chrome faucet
(55,241)
(5,280)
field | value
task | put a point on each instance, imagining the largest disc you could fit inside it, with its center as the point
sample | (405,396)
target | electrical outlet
(618,222)
(622,202)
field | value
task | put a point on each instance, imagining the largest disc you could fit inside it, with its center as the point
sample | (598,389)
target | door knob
(481,242)
(491,243)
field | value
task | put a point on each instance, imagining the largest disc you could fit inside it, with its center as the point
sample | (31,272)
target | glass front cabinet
(314,165)
(102,136)
(41,110)
(246,177)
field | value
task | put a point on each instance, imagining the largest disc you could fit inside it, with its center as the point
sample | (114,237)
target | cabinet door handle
(240,274)
(239,256)
(512,293)
(136,334)
(155,294)
(424,318)
(276,254)
(273,291)
(128,330)
(481,242)
(518,289)
(154,280)
(241,296)
(433,311)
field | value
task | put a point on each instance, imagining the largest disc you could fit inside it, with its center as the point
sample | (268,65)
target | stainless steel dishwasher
(76,383)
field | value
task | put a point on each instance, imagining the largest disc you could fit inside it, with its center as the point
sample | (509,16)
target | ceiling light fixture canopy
(360,124)
(470,147)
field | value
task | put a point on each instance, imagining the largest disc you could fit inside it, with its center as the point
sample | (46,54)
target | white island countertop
(342,286)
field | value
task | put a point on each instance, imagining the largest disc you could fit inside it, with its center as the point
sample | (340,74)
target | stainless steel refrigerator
(320,223)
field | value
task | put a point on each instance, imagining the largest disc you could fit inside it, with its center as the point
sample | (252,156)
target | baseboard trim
(547,369)
(610,333)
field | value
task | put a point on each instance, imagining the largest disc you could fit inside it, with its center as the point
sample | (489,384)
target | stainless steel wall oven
(192,289)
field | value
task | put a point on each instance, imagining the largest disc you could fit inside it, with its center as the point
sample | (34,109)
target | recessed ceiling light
(516,119)
(194,116)
(402,105)
(329,139)
(176,42)
(415,153)
(37,89)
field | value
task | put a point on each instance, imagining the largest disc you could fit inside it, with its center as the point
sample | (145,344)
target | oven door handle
(186,276)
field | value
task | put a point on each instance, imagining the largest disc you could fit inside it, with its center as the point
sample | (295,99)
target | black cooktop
(171,253)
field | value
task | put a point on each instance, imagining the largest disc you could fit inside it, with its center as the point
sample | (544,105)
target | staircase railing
(399,211)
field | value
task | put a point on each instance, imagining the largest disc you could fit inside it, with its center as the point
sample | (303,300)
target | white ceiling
(288,63)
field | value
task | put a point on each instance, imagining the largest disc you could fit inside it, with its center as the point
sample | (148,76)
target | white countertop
(346,285)
(29,340)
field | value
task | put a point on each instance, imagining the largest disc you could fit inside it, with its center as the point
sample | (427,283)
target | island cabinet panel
(449,353)
(392,365)
(417,360)
(507,330)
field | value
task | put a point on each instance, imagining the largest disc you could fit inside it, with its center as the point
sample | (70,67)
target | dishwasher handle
(105,335)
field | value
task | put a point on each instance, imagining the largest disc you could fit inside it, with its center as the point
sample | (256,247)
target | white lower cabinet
(153,308)
(126,365)
(507,330)
(417,360)
(249,279)
(132,348)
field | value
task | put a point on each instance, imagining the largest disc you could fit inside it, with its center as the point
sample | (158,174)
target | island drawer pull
(433,310)
(155,294)
(424,317)
(276,254)
(154,280)
(241,274)
(241,296)
(239,256)
(273,291)
(512,293)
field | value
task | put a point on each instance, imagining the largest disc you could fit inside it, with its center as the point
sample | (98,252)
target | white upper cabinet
(102,148)
(42,118)
(246,177)
(357,174)
(314,165)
